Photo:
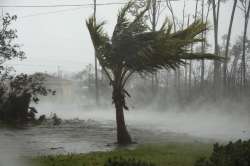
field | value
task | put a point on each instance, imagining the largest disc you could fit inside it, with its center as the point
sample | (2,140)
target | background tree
(174,22)
(8,49)
(246,11)
(190,62)
(152,17)
(148,52)
(228,42)
(235,74)
(216,11)
(16,92)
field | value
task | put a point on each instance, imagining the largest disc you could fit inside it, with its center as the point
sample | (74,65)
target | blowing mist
(160,83)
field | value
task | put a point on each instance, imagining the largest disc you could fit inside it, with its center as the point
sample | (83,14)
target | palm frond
(161,49)
(191,31)
(138,24)
(97,34)
(166,26)
(101,43)
(122,21)
(132,48)
(200,56)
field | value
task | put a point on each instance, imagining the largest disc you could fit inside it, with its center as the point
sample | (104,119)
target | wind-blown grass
(161,155)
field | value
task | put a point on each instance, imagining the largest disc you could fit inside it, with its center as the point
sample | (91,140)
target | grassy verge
(161,155)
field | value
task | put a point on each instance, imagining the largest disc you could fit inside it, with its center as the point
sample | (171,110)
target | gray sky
(60,38)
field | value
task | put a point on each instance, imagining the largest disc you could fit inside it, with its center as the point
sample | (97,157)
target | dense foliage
(16,91)
(148,51)
(17,94)
(119,161)
(8,48)
(232,154)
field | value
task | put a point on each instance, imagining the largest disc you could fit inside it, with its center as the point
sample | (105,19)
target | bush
(56,120)
(119,161)
(17,94)
(232,154)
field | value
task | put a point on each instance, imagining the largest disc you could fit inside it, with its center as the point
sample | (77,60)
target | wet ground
(77,136)
(94,130)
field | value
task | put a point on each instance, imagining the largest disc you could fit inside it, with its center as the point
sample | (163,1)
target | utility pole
(154,12)
(216,47)
(190,62)
(202,48)
(96,72)
(58,72)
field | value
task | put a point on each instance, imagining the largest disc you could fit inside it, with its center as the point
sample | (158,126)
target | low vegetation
(159,155)
(18,93)
(119,161)
(232,154)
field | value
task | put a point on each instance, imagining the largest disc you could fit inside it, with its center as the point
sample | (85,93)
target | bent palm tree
(133,49)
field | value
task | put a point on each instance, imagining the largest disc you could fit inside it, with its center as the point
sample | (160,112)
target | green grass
(162,155)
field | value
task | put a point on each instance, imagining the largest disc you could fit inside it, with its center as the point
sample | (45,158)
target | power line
(78,6)
(50,12)
(61,5)
(70,5)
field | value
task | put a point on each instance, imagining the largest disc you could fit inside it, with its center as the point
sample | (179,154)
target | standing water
(84,131)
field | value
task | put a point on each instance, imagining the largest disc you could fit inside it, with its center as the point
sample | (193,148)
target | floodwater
(77,136)
(94,130)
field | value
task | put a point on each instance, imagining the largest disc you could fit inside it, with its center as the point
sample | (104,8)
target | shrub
(232,154)
(56,120)
(17,95)
(119,161)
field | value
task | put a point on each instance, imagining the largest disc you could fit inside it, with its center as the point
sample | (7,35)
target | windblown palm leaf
(132,48)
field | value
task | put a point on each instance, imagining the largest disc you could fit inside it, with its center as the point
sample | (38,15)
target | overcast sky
(55,38)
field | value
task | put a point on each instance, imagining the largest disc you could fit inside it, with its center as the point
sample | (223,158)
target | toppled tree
(18,94)
(134,49)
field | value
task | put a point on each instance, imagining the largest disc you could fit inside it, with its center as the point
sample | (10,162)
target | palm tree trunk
(123,137)
(96,71)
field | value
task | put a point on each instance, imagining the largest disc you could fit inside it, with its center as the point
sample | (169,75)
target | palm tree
(134,49)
